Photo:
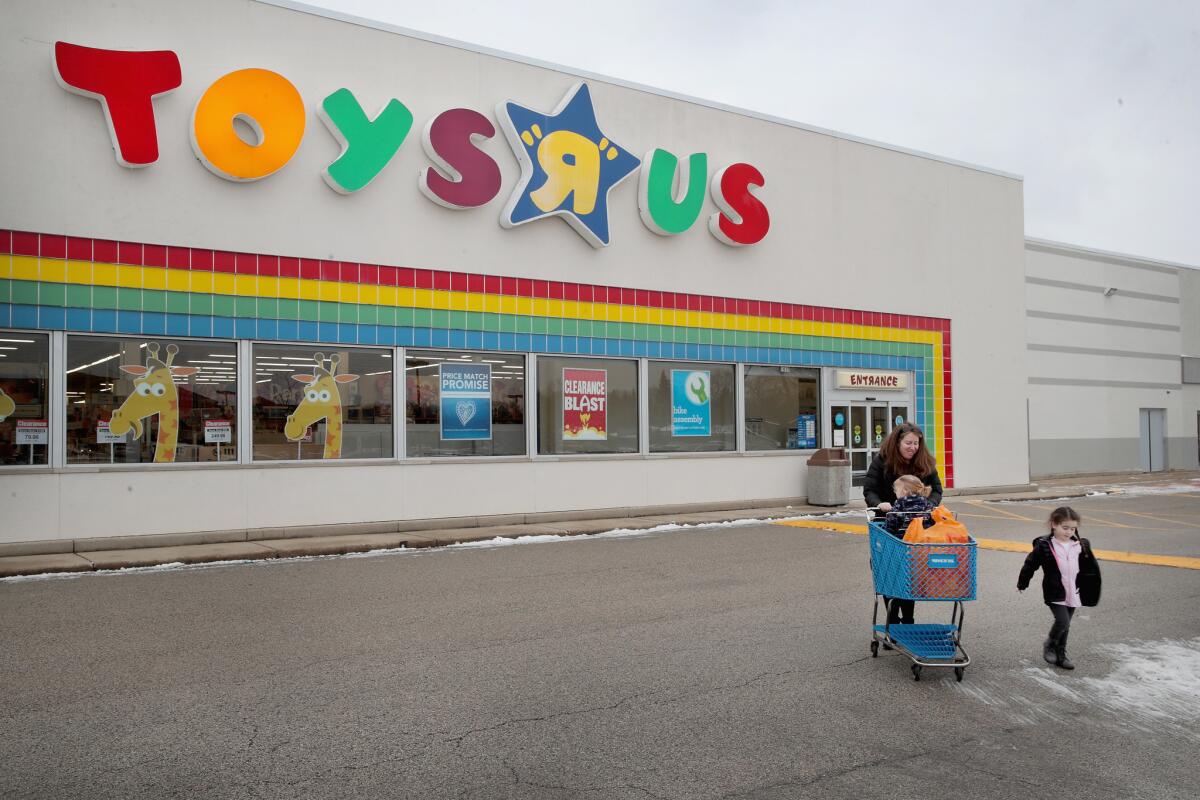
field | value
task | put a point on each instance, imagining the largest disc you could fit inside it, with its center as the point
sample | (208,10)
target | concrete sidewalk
(95,560)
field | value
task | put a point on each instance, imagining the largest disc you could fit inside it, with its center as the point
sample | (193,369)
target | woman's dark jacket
(1087,581)
(877,486)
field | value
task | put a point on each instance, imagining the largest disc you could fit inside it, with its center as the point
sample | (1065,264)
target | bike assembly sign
(466,401)
(691,402)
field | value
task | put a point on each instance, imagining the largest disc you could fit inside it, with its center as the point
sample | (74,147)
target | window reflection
(24,387)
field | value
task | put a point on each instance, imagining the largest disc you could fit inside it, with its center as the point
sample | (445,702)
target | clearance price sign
(585,404)
(466,401)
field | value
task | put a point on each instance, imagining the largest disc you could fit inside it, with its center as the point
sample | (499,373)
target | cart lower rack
(921,572)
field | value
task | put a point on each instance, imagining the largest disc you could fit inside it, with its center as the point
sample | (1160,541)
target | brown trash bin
(829,477)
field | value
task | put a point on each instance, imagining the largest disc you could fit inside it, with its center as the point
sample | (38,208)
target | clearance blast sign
(585,404)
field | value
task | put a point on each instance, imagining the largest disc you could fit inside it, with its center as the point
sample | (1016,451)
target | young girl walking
(1070,578)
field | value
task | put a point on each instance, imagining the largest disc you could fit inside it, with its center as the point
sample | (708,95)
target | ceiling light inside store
(18,341)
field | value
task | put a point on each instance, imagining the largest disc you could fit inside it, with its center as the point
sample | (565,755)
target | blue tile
(5,314)
(24,316)
(177,324)
(454,338)
(223,327)
(508,341)
(80,319)
(522,341)
(52,318)
(288,330)
(391,335)
(474,340)
(103,319)
(491,341)
(197,325)
(554,344)
(422,337)
(539,343)
(440,337)
(268,329)
(569,344)
(306,331)
(327,332)
(347,332)
(246,328)
(129,321)
(154,323)
(367,334)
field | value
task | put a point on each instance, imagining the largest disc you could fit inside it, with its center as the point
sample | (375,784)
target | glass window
(24,388)
(587,405)
(692,407)
(464,404)
(313,403)
(138,400)
(781,408)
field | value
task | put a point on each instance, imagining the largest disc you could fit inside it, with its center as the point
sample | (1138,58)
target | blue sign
(806,431)
(899,420)
(466,401)
(691,402)
(942,561)
(839,419)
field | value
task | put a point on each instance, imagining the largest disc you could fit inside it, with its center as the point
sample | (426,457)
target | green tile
(246,307)
(347,312)
(474,322)
(52,294)
(129,299)
(222,305)
(388,315)
(104,297)
(422,318)
(288,309)
(177,303)
(308,310)
(202,304)
(153,300)
(268,308)
(570,327)
(439,319)
(25,292)
(491,322)
(367,315)
(539,325)
(524,325)
(6,290)
(327,312)
(508,323)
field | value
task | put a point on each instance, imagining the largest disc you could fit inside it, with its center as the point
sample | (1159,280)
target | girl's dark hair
(922,463)
(1062,514)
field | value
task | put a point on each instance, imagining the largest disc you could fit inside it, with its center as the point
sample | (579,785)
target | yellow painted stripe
(1182,562)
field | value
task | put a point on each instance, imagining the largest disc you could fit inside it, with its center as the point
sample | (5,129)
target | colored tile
(154,301)
(222,305)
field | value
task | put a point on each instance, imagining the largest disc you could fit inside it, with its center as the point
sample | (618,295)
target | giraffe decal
(7,406)
(154,392)
(322,401)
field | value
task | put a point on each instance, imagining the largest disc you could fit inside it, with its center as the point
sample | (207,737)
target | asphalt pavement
(699,662)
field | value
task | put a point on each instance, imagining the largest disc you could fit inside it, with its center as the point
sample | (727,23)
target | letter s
(743,218)
(450,140)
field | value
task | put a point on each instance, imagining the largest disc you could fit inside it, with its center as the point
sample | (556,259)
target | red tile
(129,253)
(349,272)
(289,267)
(586,293)
(458,281)
(441,280)
(743,307)
(654,299)
(706,303)
(53,246)
(268,265)
(179,257)
(310,269)
(537,289)
(642,298)
(368,274)
(224,261)
(492,284)
(626,297)
(524,287)
(571,292)
(245,263)
(476,284)
(423,279)
(510,285)
(390,276)
(201,259)
(24,244)
(693,302)
(78,248)
(599,294)
(330,270)
(154,255)
(6,242)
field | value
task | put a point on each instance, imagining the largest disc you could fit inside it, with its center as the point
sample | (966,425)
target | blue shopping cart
(926,572)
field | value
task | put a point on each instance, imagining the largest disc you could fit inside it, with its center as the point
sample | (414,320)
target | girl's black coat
(1087,581)
(877,485)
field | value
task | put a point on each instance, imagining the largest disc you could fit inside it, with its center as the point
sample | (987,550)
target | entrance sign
(691,402)
(865,379)
(585,404)
(32,431)
(466,401)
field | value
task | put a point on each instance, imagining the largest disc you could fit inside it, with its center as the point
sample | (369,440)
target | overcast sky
(1095,104)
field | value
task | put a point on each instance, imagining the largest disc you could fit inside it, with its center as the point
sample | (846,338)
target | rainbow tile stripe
(54,282)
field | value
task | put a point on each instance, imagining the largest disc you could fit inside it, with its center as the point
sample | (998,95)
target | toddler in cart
(912,501)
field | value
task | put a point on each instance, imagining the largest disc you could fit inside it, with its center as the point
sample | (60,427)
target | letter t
(125,83)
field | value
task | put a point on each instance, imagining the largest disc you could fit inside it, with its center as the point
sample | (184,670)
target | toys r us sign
(568,164)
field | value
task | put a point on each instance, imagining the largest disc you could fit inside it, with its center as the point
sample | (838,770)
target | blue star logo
(568,166)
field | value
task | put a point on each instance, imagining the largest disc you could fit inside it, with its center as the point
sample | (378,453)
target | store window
(693,407)
(587,405)
(139,400)
(464,404)
(781,408)
(24,398)
(314,403)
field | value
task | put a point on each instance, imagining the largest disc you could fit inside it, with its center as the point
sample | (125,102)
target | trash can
(829,477)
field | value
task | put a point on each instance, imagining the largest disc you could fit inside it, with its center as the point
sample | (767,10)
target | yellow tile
(223,283)
(390,295)
(441,299)
(328,291)
(154,278)
(347,292)
(475,302)
(25,268)
(5,265)
(456,301)
(53,270)
(492,304)
(308,290)
(201,281)
(368,294)
(268,286)
(556,308)
(422,298)
(245,285)
(178,280)
(104,274)
(539,307)
(508,304)
(524,306)
(287,288)
(129,277)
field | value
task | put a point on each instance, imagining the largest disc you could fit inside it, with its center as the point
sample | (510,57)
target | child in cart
(912,501)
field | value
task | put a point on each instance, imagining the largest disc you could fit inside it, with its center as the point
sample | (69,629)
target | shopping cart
(925,572)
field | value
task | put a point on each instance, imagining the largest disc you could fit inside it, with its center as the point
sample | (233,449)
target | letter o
(265,100)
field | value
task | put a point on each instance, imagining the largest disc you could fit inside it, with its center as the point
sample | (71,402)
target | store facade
(237,296)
